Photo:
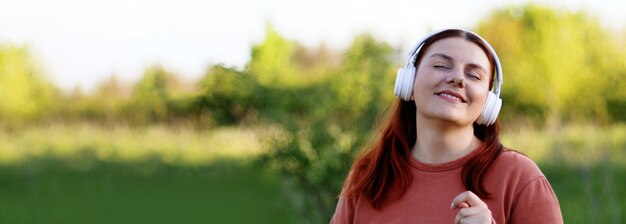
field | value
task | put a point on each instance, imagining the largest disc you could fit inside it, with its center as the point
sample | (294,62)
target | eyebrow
(447,57)
(442,56)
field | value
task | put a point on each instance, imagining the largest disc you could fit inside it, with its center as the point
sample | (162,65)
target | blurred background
(249,111)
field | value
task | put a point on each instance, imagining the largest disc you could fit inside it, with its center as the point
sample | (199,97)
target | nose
(456,78)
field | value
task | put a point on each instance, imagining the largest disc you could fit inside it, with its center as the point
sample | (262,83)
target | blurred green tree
(615,92)
(151,97)
(559,66)
(272,61)
(363,87)
(24,93)
(328,122)
(228,96)
(111,96)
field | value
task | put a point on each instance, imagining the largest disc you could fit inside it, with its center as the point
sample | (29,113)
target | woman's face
(452,82)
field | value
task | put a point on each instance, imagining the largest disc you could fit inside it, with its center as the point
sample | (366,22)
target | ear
(412,96)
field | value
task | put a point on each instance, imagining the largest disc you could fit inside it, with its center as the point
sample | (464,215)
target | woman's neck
(443,143)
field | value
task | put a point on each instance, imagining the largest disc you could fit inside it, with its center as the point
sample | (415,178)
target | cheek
(480,95)
(423,79)
(418,84)
(422,88)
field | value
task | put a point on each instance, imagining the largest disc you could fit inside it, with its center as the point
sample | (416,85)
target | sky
(79,43)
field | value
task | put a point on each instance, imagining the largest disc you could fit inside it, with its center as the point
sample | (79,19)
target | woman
(438,159)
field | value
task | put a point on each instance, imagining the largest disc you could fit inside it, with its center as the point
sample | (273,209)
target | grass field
(92,174)
(589,194)
(149,192)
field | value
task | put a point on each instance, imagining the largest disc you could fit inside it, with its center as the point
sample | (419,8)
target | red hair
(385,164)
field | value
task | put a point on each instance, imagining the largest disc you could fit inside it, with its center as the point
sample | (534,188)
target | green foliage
(109,98)
(363,86)
(315,161)
(558,66)
(615,92)
(105,105)
(278,61)
(152,96)
(319,138)
(272,61)
(230,96)
(24,94)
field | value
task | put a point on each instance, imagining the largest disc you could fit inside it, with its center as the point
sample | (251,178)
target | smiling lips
(451,96)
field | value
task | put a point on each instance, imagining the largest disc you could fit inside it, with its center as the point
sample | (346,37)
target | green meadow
(90,174)
(93,174)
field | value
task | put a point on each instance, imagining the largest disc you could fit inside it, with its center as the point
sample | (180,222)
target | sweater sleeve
(344,213)
(536,203)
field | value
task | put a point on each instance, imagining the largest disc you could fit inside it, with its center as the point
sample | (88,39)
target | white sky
(82,42)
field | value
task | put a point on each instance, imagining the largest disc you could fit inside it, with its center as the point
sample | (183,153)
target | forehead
(459,49)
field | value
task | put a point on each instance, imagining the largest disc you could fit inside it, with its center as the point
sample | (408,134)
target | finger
(468,197)
(472,211)
(477,214)
(469,215)
(472,220)
(460,198)
(463,205)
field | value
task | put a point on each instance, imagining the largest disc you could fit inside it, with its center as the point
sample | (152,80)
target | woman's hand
(472,209)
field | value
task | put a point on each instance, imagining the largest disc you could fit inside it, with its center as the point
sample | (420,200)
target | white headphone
(406,76)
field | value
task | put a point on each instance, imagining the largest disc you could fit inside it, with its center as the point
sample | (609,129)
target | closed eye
(475,72)
(474,76)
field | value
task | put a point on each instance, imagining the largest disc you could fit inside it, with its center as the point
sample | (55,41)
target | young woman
(438,159)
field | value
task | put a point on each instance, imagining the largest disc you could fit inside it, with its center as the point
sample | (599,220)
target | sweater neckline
(439,167)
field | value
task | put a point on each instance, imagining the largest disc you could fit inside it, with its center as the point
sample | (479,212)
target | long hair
(384,165)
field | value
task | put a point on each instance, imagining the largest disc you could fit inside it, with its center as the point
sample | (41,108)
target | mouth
(451,96)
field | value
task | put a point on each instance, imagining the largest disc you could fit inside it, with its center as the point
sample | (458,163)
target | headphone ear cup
(397,89)
(496,111)
(491,110)
(404,83)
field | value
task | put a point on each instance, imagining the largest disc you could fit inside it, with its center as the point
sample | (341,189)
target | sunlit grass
(172,145)
(575,145)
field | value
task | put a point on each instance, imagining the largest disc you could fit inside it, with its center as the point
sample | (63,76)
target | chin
(456,119)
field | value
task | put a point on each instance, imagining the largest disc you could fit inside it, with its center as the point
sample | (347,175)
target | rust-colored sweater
(520,193)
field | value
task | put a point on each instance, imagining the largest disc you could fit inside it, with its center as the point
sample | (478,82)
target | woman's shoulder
(510,155)
(513,164)
(518,182)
